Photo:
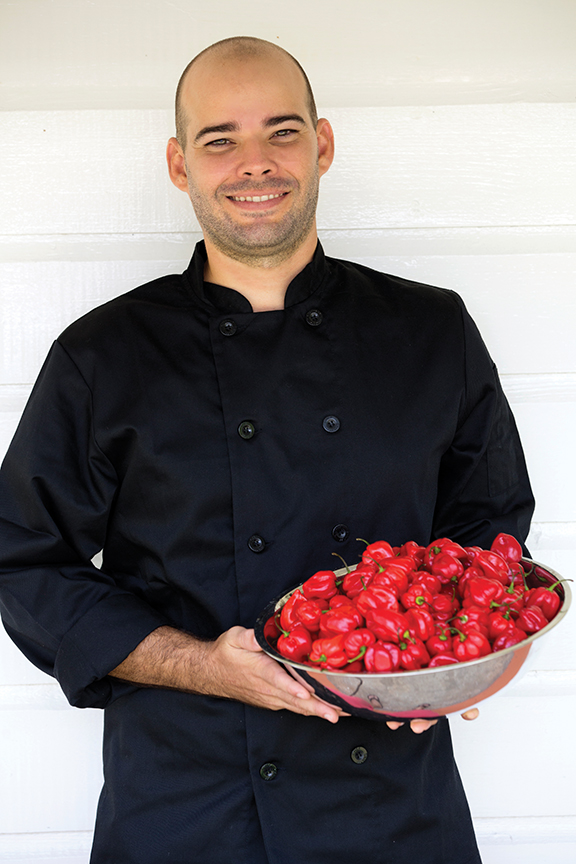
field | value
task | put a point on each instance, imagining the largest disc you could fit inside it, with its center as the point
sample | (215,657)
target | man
(219,434)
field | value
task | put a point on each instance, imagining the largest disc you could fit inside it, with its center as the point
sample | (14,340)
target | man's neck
(264,287)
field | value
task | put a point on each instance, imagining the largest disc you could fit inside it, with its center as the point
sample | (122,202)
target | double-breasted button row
(247,428)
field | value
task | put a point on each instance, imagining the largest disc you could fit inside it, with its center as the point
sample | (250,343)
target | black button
(228,327)
(340,533)
(268,771)
(246,430)
(256,543)
(359,755)
(331,423)
(314,317)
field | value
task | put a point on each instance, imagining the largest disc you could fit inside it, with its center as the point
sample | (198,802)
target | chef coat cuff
(97,643)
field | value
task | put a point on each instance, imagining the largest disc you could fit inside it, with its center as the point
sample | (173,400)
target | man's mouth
(257,198)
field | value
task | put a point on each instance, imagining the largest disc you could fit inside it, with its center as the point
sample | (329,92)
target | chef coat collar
(228,300)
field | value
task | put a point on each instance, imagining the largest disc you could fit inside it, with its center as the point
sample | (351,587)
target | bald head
(239,48)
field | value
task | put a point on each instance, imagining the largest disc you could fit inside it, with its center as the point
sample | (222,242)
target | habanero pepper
(546,598)
(508,547)
(296,644)
(413,653)
(386,624)
(493,566)
(420,623)
(329,652)
(382,657)
(531,619)
(288,617)
(445,659)
(343,619)
(322,585)
(507,640)
(447,567)
(470,645)
(482,591)
(357,640)
(417,596)
(376,597)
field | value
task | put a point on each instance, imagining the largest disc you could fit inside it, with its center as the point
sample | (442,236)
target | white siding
(455,165)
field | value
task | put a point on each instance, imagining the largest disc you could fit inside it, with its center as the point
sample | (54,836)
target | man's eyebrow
(211,130)
(283,118)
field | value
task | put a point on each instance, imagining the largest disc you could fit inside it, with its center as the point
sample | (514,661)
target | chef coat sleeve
(483,485)
(56,492)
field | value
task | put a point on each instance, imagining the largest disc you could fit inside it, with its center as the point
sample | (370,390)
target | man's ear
(325,138)
(177,165)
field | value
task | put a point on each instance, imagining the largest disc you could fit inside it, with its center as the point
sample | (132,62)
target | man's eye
(284,133)
(219,142)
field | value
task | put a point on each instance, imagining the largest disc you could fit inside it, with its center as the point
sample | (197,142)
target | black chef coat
(218,457)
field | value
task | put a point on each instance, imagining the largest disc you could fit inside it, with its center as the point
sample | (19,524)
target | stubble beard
(261,243)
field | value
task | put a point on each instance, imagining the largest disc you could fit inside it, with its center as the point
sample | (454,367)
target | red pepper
(442,545)
(508,547)
(386,624)
(358,580)
(395,578)
(546,598)
(271,631)
(411,549)
(499,623)
(531,619)
(321,585)
(420,623)
(379,551)
(288,617)
(329,652)
(309,613)
(493,566)
(445,659)
(443,607)
(382,657)
(357,640)
(440,642)
(375,597)
(296,644)
(413,653)
(340,620)
(482,591)
(446,567)
(417,596)
(470,646)
(507,640)
(475,617)
(430,582)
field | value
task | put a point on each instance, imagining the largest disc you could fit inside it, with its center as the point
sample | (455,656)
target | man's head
(249,150)
(240,47)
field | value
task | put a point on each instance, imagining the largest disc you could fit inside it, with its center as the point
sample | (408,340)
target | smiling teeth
(255,198)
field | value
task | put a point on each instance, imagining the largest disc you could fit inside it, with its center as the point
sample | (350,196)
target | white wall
(456,165)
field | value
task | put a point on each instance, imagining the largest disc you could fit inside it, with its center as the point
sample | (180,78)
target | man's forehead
(222,89)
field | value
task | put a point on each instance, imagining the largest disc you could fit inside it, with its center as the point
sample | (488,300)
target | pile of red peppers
(411,607)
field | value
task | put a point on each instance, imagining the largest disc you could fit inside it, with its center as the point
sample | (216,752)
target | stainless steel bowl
(427,693)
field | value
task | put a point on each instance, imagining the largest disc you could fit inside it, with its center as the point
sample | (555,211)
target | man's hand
(419,726)
(232,667)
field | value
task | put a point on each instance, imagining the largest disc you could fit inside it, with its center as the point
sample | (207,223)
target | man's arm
(231,667)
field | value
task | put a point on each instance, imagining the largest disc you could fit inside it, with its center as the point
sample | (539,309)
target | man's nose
(255,160)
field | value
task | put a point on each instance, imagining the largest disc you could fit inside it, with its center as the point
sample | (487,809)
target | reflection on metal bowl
(426,693)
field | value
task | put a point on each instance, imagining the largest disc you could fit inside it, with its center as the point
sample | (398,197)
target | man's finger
(472,714)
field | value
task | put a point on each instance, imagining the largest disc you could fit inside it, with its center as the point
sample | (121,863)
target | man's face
(252,156)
